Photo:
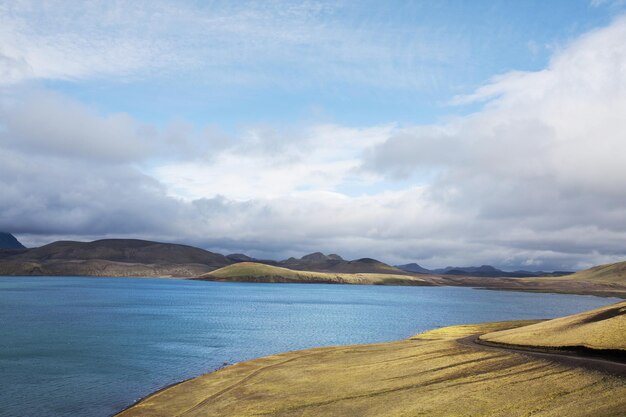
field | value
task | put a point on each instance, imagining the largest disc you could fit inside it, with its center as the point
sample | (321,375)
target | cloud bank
(535,179)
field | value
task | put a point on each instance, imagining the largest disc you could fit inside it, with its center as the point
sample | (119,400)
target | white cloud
(41,122)
(611,3)
(534,179)
(543,159)
(218,42)
(76,45)
(269,164)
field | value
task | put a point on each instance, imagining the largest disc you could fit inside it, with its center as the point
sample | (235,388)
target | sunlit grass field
(430,374)
(256,272)
(603,328)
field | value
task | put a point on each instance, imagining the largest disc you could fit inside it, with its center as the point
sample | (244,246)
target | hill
(334,263)
(609,273)
(125,250)
(8,241)
(256,272)
(113,257)
(600,329)
(478,271)
(413,267)
(605,280)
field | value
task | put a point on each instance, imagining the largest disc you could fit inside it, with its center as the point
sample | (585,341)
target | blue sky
(446,133)
(436,50)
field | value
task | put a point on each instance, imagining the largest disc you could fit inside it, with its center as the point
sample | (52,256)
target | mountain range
(142,258)
(478,271)
(132,257)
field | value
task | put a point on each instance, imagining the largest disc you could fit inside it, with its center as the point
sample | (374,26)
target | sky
(443,133)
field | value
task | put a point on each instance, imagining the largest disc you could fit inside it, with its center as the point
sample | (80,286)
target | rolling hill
(600,329)
(113,257)
(256,272)
(334,263)
(605,280)
(609,273)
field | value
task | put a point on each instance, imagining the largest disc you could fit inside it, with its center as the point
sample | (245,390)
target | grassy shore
(607,280)
(600,329)
(431,374)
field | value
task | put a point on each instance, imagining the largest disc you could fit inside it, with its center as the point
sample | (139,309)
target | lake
(74,346)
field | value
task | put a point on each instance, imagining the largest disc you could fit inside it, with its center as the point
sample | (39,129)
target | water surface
(92,346)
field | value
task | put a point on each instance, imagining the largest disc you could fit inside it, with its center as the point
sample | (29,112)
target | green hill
(256,272)
(319,262)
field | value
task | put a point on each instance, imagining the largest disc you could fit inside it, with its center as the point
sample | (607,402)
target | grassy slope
(101,268)
(610,273)
(603,328)
(604,280)
(428,375)
(124,250)
(255,272)
(112,257)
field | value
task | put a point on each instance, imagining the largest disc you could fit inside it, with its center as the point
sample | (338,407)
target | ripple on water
(92,346)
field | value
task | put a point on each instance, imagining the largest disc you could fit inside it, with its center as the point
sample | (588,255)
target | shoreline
(217,369)
(168,386)
(172,385)
(605,293)
(210,390)
(492,284)
(618,294)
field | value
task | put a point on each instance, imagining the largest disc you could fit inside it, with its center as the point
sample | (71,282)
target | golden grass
(609,273)
(427,375)
(255,272)
(603,328)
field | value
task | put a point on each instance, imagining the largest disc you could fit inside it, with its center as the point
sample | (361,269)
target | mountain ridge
(8,241)
(484,271)
(136,257)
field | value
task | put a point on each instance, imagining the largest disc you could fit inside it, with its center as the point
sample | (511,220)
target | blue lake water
(92,346)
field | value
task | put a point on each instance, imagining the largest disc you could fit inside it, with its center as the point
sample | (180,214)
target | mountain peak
(8,241)
(239,257)
(414,267)
(315,256)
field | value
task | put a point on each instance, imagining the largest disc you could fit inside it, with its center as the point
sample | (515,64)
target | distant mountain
(8,241)
(479,271)
(319,262)
(239,257)
(142,258)
(132,257)
(126,250)
(320,257)
(113,257)
(485,271)
(413,267)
